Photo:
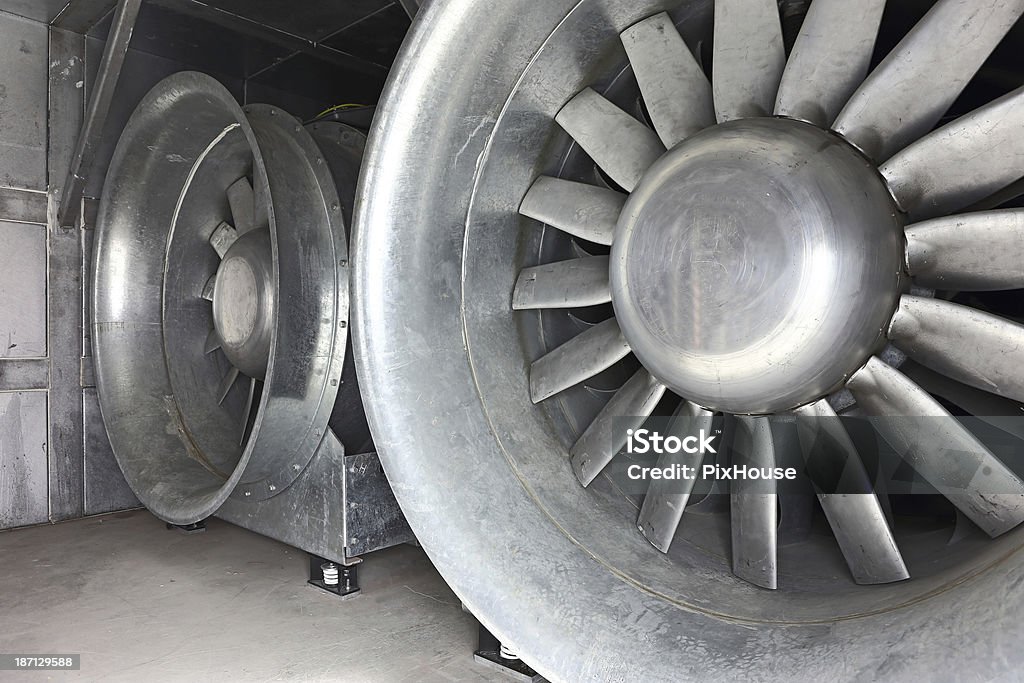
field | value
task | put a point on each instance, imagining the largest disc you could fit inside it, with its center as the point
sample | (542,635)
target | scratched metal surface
(22,290)
(22,458)
(22,103)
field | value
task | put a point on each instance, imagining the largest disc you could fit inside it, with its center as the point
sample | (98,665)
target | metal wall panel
(38,10)
(23,479)
(22,103)
(64,288)
(22,290)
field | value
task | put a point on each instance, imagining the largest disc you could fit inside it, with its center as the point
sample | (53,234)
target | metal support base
(347,585)
(195,528)
(488,653)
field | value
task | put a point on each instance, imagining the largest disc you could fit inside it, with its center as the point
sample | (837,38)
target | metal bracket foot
(489,653)
(196,528)
(333,577)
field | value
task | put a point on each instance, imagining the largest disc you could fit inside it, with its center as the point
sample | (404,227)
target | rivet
(334,382)
(334,207)
(343,262)
(248,493)
(319,161)
(273,488)
(343,324)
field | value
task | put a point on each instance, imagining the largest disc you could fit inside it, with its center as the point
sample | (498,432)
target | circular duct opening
(212,219)
(484,453)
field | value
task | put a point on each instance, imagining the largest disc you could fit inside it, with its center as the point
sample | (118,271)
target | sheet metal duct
(620,209)
(220,321)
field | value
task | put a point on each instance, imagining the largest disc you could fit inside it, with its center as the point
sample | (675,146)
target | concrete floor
(141,603)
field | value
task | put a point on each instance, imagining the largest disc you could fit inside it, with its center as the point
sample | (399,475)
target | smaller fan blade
(754,505)
(846,496)
(939,448)
(962,162)
(212,342)
(622,146)
(830,59)
(971,252)
(580,358)
(209,287)
(972,347)
(749,58)
(907,94)
(666,499)
(585,211)
(242,201)
(226,383)
(222,238)
(566,284)
(675,89)
(628,408)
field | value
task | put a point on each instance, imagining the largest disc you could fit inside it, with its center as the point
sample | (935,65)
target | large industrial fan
(220,322)
(619,209)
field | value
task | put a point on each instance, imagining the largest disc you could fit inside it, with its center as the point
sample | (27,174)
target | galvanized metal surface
(23,452)
(441,265)
(105,487)
(339,508)
(19,206)
(23,290)
(22,374)
(100,99)
(64,289)
(38,10)
(23,51)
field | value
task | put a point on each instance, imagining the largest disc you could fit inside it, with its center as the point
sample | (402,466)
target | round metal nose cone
(243,303)
(756,265)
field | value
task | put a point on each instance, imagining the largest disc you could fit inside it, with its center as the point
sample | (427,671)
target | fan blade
(675,89)
(209,287)
(222,238)
(749,58)
(830,59)
(994,410)
(976,348)
(997,199)
(942,451)
(846,496)
(962,162)
(907,94)
(582,357)
(250,401)
(226,383)
(623,147)
(585,211)
(566,284)
(633,404)
(242,201)
(212,342)
(971,252)
(666,499)
(754,505)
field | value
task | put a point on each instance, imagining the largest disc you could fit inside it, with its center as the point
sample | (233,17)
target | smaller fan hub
(756,265)
(243,302)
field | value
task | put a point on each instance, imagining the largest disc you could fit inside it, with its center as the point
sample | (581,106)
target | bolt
(343,324)
(273,488)
(248,493)
(343,262)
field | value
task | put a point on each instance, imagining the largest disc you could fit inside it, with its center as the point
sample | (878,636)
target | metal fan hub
(757,265)
(243,302)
